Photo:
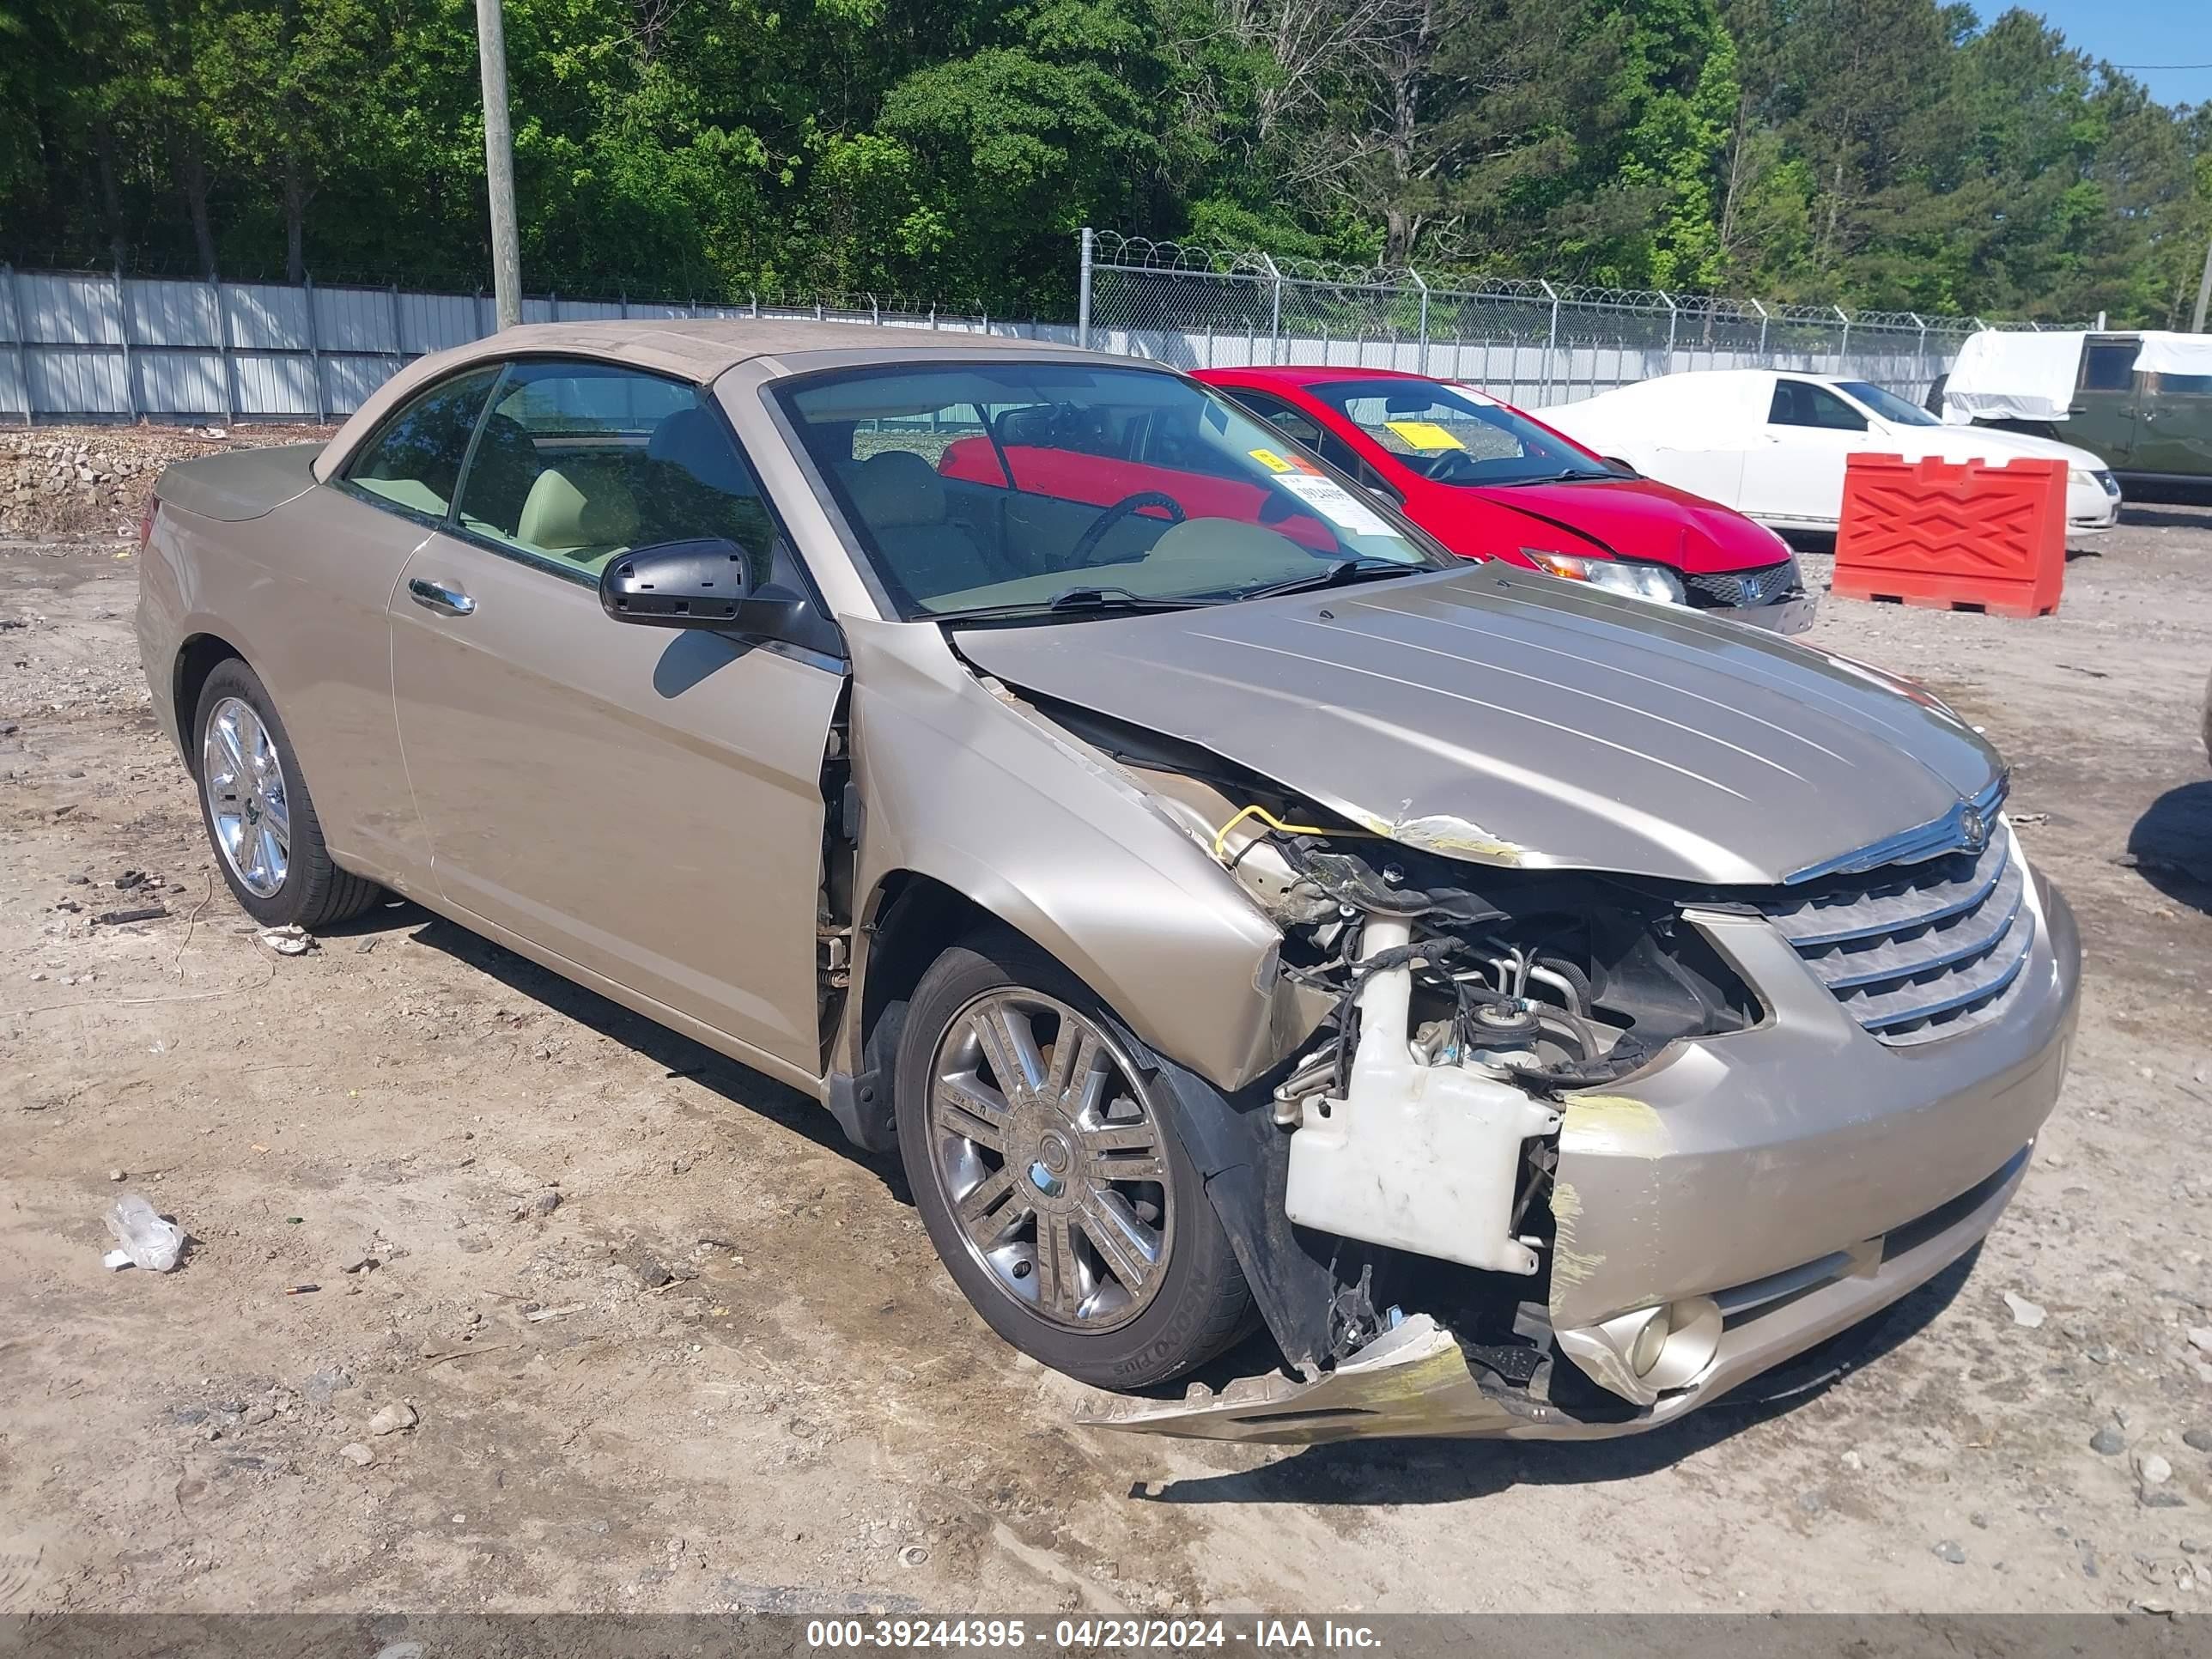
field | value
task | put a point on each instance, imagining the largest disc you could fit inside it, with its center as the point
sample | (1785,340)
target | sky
(2136,33)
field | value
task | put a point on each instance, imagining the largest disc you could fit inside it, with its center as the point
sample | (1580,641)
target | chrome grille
(1916,951)
(1731,590)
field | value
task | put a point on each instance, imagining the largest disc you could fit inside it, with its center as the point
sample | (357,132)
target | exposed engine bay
(1449,1004)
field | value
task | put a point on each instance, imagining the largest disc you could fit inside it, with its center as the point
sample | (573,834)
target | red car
(1490,483)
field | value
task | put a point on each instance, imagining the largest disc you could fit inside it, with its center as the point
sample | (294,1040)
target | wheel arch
(909,919)
(198,657)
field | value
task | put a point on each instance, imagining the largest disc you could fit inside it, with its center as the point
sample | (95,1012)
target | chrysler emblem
(1973,829)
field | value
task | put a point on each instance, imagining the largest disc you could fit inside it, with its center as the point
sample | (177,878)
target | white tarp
(2164,353)
(2006,375)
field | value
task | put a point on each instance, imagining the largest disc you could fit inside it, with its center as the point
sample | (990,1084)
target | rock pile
(93,481)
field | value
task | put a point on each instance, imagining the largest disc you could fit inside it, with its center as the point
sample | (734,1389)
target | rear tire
(1053,1186)
(259,818)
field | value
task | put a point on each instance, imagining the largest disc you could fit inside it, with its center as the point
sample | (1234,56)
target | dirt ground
(806,1417)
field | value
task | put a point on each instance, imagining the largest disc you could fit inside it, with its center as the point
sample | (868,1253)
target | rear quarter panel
(302,593)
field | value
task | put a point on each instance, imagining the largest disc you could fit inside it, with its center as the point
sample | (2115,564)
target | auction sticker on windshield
(1424,434)
(1335,504)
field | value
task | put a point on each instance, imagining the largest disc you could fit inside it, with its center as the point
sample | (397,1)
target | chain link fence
(1532,343)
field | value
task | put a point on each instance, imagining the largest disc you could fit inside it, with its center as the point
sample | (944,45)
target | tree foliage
(1893,154)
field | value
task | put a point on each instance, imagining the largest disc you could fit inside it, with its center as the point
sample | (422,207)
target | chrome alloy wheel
(244,783)
(1050,1160)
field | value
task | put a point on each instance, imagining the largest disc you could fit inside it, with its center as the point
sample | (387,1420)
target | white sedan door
(1795,469)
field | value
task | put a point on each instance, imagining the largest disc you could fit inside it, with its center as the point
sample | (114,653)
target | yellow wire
(1221,837)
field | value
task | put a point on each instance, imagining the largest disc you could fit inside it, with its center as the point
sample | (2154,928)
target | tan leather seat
(903,499)
(585,515)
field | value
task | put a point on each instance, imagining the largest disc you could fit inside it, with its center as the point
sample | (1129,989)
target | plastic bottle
(147,1241)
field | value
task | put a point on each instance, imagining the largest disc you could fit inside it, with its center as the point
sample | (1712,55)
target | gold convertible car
(1539,1009)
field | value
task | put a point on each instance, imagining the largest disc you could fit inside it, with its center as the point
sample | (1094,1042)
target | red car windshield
(1454,434)
(1009,486)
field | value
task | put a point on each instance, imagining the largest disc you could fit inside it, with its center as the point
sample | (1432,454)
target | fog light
(1693,1336)
(1648,1342)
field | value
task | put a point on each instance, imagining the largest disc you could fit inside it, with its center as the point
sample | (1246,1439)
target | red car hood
(1641,519)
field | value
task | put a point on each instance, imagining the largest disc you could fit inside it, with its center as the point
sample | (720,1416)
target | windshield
(1886,404)
(1452,434)
(1006,486)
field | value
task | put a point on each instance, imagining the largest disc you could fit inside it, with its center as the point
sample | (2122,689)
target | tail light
(146,516)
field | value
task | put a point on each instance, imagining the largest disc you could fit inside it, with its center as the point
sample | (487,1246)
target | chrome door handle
(436,596)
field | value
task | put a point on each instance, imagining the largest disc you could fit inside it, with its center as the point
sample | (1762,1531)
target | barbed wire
(1113,250)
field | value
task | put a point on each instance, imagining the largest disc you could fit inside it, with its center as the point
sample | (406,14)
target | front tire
(259,818)
(1053,1186)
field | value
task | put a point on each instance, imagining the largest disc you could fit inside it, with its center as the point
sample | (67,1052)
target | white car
(1771,444)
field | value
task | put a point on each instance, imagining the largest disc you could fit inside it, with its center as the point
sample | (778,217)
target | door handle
(436,596)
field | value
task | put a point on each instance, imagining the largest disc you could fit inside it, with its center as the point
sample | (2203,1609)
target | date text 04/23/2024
(1092,1634)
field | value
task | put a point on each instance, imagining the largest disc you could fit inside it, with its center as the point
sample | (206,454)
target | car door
(2173,426)
(1795,471)
(645,803)
(2102,418)
(336,645)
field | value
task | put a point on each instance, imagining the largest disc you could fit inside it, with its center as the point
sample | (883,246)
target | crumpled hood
(1506,717)
(1639,518)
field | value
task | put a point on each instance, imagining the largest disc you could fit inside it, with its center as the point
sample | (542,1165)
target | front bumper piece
(1803,1175)
(1414,1381)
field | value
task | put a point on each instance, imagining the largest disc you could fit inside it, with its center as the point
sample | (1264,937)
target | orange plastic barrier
(1948,534)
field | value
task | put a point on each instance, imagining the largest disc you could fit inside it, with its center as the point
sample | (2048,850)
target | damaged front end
(1550,1168)
(1390,1189)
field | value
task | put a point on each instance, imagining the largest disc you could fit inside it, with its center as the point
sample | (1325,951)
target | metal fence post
(1761,310)
(314,348)
(1844,349)
(123,334)
(1552,341)
(230,397)
(1674,317)
(1275,315)
(1083,292)
(875,312)
(1920,349)
(17,330)
(399,334)
(1421,346)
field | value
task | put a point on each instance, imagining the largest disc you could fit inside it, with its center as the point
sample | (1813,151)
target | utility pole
(2203,292)
(499,163)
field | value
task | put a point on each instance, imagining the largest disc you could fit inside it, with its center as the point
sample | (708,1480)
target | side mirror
(706,583)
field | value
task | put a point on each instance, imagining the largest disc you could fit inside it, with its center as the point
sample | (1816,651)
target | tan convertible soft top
(695,349)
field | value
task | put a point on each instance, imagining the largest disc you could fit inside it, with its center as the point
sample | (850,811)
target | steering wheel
(1454,466)
(1087,545)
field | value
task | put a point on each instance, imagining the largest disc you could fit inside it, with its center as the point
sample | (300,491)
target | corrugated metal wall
(89,346)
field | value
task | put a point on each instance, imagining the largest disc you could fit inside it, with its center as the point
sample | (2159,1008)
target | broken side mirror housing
(704,583)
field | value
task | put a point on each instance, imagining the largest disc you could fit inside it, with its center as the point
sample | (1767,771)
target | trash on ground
(301,1290)
(2024,1312)
(147,1241)
(290,941)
